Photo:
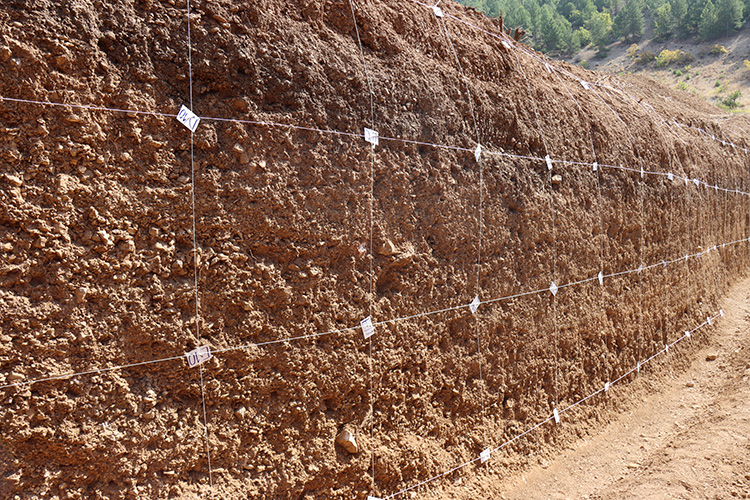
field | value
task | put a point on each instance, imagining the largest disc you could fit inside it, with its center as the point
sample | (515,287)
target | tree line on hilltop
(567,26)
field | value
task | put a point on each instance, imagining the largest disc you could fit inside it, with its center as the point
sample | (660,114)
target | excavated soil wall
(302,231)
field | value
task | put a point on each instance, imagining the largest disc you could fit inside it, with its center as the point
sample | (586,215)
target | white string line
(444,26)
(370,256)
(554,240)
(195,248)
(601,220)
(386,138)
(687,334)
(378,323)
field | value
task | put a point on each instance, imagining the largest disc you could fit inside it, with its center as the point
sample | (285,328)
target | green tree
(693,17)
(679,9)
(728,15)
(600,27)
(583,37)
(664,25)
(629,22)
(709,24)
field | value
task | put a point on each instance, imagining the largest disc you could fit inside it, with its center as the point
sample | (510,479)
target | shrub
(584,64)
(669,57)
(645,57)
(717,83)
(731,101)
(632,51)
(747,64)
(717,50)
(682,86)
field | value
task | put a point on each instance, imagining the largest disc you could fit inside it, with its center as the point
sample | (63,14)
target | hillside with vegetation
(565,27)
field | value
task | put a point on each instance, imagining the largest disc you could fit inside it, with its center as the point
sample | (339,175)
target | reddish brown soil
(97,261)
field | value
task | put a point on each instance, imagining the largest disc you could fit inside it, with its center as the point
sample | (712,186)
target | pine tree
(600,27)
(679,9)
(664,25)
(629,22)
(728,15)
(709,23)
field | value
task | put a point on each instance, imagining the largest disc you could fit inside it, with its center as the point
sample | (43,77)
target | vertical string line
(554,238)
(371,230)
(196,259)
(478,289)
(636,152)
(605,328)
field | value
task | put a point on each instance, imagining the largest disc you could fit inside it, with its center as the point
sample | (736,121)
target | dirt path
(689,441)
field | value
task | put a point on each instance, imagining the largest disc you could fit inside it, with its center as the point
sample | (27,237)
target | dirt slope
(302,232)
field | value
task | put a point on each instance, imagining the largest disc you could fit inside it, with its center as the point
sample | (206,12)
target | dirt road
(690,440)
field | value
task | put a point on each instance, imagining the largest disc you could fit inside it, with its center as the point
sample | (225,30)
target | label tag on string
(478,152)
(721,312)
(696,182)
(641,171)
(708,320)
(437,11)
(687,334)
(670,176)
(474,305)
(601,277)
(485,455)
(638,367)
(367,329)
(369,497)
(596,166)
(371,136)
(556,414)
(505,44)
(666,348)
(549,70)
(553,288)
(188,118)
(198,356)
(586,85)
(716,187)
(549,162)
(606,386)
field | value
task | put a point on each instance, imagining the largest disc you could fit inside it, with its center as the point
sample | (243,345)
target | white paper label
(601,277)
(641,172)
(371,136)
(198,356)
(638,368)
(549,70)
(478,152)
(556,415)
(188,118)
(670,176)
(485,455)
(437,11)
(708,320)
(696,182)
(687,334)
(596,166)
(666,348)
(474,305)
(549,162)
(506,44)
(716,187)
(367,329)
(721,312)
(586,85)
(553,288)
(369,497)
(606,386)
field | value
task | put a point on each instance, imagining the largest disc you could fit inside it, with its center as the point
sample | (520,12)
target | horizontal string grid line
(390,139)
(384,322)
(552,418)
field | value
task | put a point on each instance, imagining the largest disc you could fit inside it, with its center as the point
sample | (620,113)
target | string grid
(601,276)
